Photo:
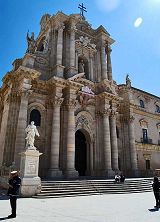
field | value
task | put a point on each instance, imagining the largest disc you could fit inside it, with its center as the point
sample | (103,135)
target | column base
(71,71)
(135,173)
(71,173)
(109,173)
(54,173)
(58,70)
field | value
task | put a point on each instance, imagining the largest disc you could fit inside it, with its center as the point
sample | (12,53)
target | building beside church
(88,125)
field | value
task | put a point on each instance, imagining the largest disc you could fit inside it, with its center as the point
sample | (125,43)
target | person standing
(156,189)
(13,192)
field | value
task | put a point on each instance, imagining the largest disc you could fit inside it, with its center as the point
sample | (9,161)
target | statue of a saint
(81,66)
(128,81)
(31,131)
(31,43)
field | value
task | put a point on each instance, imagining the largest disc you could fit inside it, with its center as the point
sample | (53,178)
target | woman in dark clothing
(156,187)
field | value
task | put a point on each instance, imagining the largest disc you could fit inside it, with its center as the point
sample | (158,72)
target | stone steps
(55,189)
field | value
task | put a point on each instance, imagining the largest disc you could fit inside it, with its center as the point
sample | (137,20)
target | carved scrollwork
(82,120)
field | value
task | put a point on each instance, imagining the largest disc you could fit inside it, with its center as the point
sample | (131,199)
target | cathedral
(89,126)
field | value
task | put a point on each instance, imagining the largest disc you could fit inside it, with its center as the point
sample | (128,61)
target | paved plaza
(135,207)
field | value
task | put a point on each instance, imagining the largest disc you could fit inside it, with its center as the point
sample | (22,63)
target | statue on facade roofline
(31,131)
(31,43)
(128,81)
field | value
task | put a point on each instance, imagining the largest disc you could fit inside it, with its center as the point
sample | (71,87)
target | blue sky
(136,50)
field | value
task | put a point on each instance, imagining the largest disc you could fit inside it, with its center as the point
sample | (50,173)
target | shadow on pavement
(153,209)
(3,218)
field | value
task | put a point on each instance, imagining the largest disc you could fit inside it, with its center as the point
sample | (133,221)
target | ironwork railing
(146,140)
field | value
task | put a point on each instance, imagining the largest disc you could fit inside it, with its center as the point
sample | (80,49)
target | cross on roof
(82,9)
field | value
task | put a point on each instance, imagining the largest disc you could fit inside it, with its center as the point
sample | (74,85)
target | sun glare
(138,22)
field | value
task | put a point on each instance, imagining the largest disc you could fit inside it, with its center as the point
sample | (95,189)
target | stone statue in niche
(81,66)
(128,81)
(31,131)
(31,43)
(45,46)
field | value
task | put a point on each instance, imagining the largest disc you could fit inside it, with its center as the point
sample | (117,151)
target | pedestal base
(54,173)
(135,173)
(71,71)
(58,70)
(30,186)
(109,173)
(71,174)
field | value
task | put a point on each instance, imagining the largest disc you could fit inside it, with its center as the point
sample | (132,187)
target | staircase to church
(71,188)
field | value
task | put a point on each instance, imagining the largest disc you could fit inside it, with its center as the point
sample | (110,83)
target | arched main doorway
(80,153)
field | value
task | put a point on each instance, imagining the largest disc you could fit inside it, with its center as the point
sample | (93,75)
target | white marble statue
(31,131)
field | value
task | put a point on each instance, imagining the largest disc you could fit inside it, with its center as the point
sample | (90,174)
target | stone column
(107,143)
(91,68)
(60,44)
(103,62)
(21,125)
(109,65)
(72,69)
(114,149)
(55,140)
(70,155)
(133,152)
(59,68)
(72,46)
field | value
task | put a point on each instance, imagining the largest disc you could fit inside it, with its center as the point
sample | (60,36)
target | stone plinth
(31,182)
(28,60)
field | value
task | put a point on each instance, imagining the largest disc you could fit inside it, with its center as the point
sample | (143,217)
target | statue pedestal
(31,182)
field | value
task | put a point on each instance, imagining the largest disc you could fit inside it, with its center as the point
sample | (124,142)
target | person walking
(13,192)
(156,190)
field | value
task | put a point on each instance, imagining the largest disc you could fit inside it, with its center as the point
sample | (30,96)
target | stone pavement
(136,207)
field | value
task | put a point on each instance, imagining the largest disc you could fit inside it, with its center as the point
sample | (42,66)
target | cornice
(26,72)
(147,147)
(145,113)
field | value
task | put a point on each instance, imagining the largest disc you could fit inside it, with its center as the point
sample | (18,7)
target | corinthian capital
(57,101)
(106,112)
(71,103)
(60,26)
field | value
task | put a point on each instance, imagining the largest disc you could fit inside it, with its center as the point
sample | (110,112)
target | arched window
(36,117)
(157,109)
(141,103)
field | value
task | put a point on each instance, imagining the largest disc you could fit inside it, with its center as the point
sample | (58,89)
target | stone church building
(88,125)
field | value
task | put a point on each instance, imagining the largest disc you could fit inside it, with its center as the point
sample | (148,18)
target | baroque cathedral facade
(88,125)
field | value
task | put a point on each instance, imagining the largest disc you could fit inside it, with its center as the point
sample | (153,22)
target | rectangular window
(147,164)
(145,135)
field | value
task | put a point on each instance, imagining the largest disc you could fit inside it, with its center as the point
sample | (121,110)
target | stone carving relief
(143,123)
(86,42)
(85,121)
(86,96)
